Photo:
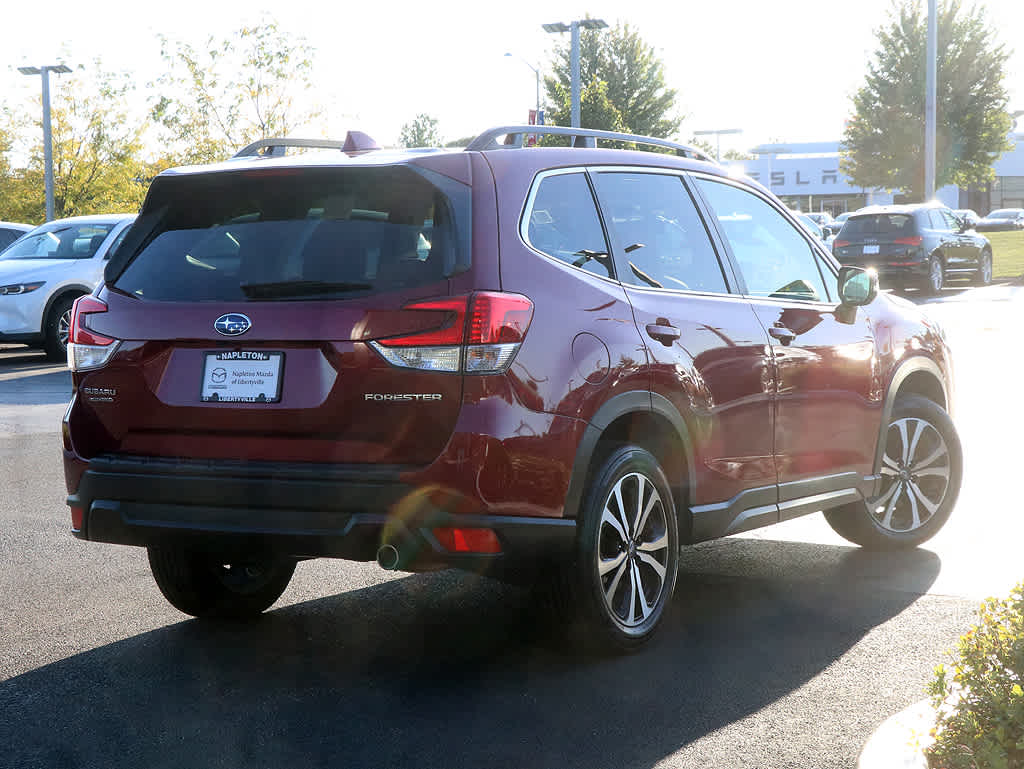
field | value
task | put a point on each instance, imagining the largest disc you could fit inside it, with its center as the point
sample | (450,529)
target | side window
(117,242)
(952,224)
(935,217)
(775,259)
(658,233)
(563,223)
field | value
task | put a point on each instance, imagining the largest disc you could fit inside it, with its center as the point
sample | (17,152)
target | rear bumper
(890,271)
(295,509)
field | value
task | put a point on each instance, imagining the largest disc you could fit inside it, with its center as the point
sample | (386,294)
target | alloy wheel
(986,268)
(633,549)
(935,275)
(64,328)
(916,470)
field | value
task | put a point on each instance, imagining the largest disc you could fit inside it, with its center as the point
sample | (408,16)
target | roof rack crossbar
(581,137)
(275,147)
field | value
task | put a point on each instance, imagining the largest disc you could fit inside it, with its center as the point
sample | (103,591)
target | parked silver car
(45,270)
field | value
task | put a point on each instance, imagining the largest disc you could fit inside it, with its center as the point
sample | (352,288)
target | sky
(780,71)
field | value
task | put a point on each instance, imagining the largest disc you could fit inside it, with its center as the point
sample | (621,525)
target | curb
(900,741)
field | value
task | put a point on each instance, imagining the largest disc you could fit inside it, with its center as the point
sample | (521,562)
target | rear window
(293,234)
(878,225)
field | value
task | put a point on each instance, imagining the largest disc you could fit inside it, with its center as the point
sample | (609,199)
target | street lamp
(535,72)
(574,56)
(47,137)
(718,134)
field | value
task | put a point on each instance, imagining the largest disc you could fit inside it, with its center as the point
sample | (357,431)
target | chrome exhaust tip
(387,557)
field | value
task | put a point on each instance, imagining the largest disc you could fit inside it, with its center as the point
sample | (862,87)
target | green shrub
(980,700)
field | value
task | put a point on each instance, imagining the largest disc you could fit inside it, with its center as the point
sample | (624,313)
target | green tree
(97,150)
(884,141)
(421,132)
(638,101)
(215,100)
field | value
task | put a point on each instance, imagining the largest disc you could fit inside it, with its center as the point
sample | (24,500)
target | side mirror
(857,286)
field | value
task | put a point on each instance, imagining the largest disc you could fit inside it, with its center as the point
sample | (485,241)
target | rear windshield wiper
(282,288)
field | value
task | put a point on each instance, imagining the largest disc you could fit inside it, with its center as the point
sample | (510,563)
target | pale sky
(781,70)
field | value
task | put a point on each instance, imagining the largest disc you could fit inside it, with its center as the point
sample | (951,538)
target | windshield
(1005,213)
(311,234)
(67,241)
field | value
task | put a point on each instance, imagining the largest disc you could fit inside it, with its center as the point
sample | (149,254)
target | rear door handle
(663,331)
(782,333)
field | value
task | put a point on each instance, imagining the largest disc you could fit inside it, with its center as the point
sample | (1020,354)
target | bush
(980,701)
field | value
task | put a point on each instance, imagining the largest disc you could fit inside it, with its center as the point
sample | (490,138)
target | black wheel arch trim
(633,402)
(911,366)
(76,289)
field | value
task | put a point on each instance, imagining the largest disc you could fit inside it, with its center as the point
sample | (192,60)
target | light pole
(929,103)
(574,56)
(47,136)
(535,72)
(718,134)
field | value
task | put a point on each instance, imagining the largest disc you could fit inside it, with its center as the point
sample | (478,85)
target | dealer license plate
(242,376)
(870,249)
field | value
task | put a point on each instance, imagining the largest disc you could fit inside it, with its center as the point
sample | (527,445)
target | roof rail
(581,137)
(355,141)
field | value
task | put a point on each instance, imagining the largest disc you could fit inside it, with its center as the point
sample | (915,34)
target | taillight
(480,334)
(86,348)
(840,243)
(915,240)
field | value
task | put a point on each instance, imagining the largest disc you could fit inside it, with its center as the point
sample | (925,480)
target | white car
(45,270)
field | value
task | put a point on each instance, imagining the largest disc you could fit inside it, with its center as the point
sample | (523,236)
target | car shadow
(449,670)
(47,387)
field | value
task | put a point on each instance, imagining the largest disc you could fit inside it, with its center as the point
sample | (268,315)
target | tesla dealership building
(807,177)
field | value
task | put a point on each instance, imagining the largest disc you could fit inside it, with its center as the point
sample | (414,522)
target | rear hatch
(881,238)
(246,304)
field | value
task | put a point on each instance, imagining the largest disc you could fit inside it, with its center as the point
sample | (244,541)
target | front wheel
(57,328)
(936,277)
(984,275)
(204,585)
(921,472)
(615,593)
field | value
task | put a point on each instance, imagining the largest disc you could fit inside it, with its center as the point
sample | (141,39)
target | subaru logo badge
(232,324)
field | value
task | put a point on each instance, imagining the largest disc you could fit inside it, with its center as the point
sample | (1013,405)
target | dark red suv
(560,363)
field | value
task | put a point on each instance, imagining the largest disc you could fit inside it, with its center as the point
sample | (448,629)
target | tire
(56,327)
(984,275)
(596,596)
(204,586)
(921,472)
(935,279)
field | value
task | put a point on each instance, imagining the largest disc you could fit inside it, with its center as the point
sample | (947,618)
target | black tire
(935,278)
(55,329)
(578,592)
(911,486)
(983,277)
(205,586)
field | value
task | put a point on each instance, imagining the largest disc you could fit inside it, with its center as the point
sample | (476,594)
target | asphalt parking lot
(784,648)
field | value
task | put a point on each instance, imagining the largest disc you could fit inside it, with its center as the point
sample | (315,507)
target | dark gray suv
(919,246)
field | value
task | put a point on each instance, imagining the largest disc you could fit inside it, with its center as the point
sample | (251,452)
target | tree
(421,132)
(638,101)
(884,142)
(213,102)
(97,150)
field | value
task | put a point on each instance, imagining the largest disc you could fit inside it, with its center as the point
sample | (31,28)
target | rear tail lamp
(840,243)
(459,540)
(480,334)
(915,240)
(87,349)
